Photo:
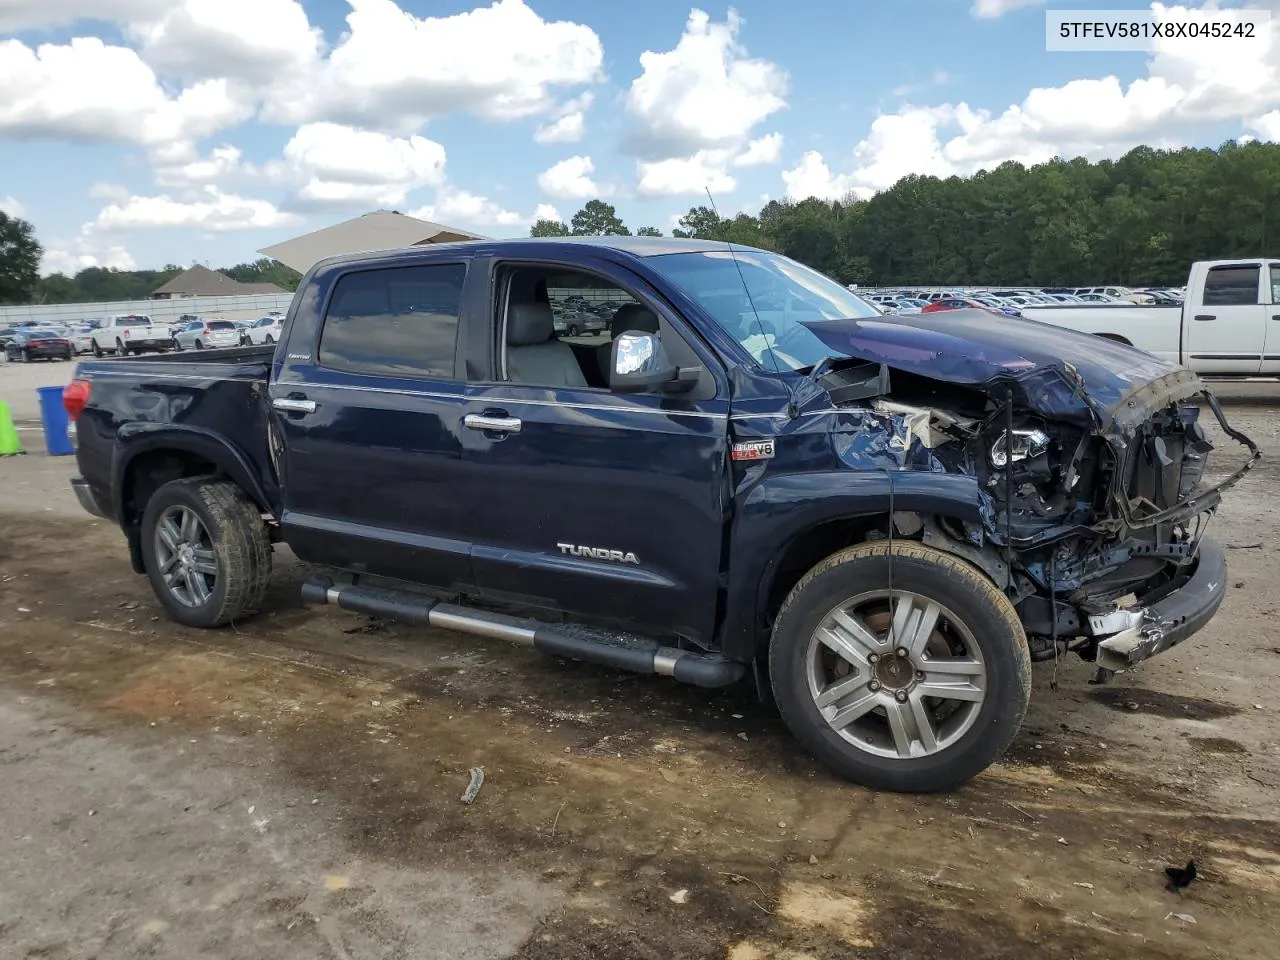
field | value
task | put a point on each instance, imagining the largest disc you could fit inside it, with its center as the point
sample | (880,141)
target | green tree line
(1140,220)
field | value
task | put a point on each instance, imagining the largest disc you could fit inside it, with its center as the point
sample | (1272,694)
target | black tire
(97,350)
(176,344)
(239,541)
(573,330)
(26,355)
(199,344)
(941,578)
(270,340)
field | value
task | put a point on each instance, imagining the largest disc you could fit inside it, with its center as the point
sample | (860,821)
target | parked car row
(134,333)
(31,340)
(1013,301)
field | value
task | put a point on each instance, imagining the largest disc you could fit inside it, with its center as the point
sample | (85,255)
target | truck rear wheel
(206,551)
(914,689)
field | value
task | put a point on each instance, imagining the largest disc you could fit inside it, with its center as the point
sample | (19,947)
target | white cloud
(680,176)
(546,211)
(109,191)
(1189,83)
(251,40)
(813,178)
(456,207)
(215,211)
(759,152)
(332,164)
(18,15)
(991,9)
(392,70)
(87,90)
(570,179)
(569,123)
(1267,126)
(12,207)
(704,94)
(82,253)
(221,163)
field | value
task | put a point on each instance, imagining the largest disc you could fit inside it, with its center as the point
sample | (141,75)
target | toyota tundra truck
(754,476)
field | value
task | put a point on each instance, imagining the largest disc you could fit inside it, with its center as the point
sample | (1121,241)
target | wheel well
(148,472)
(1115,337)
(803,553)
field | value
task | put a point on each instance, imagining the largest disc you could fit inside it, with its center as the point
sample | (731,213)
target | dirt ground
(291,787)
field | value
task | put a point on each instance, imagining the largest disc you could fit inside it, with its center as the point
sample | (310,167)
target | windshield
(220,325)
(785,295)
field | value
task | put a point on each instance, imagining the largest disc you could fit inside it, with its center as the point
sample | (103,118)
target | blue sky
(202,130)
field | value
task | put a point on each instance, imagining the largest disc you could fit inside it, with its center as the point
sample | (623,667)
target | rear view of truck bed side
(143,422)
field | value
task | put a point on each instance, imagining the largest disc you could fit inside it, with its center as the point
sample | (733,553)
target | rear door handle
(1206,316)
(294,405)
(477,421)
(1275,316)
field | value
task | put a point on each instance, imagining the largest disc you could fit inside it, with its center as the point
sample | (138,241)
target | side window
(1232,286)
(395,321)
(1275,283)
(559,325)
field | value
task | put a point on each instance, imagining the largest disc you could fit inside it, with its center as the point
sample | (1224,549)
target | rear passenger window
(395,322)
(1231,286)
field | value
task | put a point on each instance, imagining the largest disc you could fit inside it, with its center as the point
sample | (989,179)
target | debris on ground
(680,896)
(477,780)
(1184,917)
(1180,877)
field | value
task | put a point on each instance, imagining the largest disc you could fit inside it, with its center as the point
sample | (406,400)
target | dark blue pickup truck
(754,474)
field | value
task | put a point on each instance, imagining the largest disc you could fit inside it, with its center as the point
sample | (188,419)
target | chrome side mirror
(639,362)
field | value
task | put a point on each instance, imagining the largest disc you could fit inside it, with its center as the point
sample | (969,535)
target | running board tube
(571,642)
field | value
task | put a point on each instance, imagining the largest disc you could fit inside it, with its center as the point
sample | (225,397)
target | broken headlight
(1025,445)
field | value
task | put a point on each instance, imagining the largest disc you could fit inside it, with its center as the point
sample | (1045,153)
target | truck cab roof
(630,246)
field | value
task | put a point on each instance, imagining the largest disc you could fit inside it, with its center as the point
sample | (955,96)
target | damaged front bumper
(1127,637)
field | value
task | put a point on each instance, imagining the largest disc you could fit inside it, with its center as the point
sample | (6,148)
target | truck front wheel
(206,551)
(913,677)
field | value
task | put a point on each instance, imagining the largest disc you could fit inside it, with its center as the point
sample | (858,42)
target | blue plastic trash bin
(54,416)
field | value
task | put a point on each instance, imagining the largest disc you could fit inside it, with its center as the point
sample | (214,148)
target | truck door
(1271,345)
(605,505)
(1225,322)
(368,414)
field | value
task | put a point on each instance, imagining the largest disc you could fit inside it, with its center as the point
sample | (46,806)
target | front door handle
(294,405)
(1206,316)
(1275,316)
(477,421)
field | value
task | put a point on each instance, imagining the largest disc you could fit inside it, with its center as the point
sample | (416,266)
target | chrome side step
(561,640)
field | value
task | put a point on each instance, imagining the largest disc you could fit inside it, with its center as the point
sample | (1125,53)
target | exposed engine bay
(1089,509)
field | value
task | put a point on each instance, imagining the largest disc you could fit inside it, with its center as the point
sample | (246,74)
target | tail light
(206,329)
(74,397)
(126,331)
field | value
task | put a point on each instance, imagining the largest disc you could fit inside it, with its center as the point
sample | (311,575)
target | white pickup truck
(1228,326)
(131,333)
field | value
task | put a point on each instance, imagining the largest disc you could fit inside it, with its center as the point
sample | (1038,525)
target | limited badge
(752,450)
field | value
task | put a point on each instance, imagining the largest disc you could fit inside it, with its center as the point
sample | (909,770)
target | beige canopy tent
(381,230)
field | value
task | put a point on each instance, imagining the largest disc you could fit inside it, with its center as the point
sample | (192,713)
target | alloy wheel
(185,557)
(897,676)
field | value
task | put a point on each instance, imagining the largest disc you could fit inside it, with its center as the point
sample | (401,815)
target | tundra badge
(597,553)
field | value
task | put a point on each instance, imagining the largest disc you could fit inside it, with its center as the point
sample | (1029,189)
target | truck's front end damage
(1092,465)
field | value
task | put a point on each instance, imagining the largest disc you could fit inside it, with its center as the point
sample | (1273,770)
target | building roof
(200,281)
(380,230)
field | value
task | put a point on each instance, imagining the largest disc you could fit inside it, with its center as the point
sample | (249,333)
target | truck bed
(211,396)
(1156,329)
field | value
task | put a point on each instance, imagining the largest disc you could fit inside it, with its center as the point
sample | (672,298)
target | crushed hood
(1053,371)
